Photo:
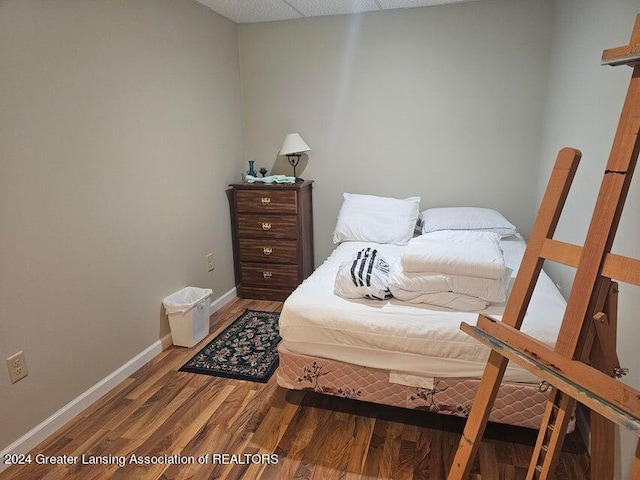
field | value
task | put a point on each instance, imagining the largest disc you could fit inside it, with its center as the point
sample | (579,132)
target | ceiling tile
(390,4)
(252,11)
(246,11)
(314,8)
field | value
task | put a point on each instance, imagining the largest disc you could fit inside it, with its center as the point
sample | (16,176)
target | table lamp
(292,147)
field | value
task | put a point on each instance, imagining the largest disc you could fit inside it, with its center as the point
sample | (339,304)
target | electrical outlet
(17,367)
(210,264)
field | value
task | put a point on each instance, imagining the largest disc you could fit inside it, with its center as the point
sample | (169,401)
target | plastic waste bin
(188,312)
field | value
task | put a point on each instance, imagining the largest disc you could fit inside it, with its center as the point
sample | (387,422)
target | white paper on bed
(395,335)
(459,252)
(413,287)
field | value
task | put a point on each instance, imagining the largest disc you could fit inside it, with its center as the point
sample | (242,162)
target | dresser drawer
(267,275)
(272,238)
(257,201)
(268,226)
(268,250)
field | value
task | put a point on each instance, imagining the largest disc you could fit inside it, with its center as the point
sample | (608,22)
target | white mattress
(397,336)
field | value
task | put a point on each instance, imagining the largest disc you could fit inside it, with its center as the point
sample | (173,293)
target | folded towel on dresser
(270,179)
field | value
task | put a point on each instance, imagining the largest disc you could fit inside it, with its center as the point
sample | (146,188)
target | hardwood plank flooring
(160,411)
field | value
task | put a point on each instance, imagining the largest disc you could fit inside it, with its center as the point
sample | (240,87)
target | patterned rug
(245,350)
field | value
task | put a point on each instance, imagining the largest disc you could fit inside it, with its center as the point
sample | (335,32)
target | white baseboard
(221,301)
(166,342)
(40,432)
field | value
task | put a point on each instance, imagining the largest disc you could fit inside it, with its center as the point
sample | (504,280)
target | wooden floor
(159,411)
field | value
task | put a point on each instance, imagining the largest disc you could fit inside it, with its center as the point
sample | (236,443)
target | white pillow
(466,218)
(367,218)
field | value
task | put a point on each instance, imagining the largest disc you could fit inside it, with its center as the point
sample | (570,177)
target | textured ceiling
(251,11)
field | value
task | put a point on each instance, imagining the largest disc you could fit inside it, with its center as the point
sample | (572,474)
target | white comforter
(467,253)
(458,292)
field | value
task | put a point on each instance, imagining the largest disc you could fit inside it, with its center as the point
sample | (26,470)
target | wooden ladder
(587,332)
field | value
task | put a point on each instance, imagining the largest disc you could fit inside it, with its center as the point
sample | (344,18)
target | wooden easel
(587,332)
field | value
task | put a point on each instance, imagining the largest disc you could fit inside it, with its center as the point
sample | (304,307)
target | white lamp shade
(293,143)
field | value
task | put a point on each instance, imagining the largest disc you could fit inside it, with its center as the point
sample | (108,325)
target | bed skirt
(520,404)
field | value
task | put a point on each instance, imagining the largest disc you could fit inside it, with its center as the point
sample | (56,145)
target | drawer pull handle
(267,250)
(266,274)
(265,200)
(266,226)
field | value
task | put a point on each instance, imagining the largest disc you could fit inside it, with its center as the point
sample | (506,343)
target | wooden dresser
(272,238)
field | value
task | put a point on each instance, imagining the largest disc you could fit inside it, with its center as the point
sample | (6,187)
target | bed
(402,354)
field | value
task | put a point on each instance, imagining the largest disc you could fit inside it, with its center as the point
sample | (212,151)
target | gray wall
(443,102)
(120,127)
(582,110)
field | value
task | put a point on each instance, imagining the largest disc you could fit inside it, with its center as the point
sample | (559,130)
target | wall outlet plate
(17,367)
(210,264)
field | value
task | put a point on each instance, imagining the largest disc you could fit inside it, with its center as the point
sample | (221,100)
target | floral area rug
(246,349)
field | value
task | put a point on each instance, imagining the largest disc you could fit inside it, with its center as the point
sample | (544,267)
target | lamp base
(298,179)
(294,159)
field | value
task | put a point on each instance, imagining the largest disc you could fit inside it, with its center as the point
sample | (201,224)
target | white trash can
(188,312)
